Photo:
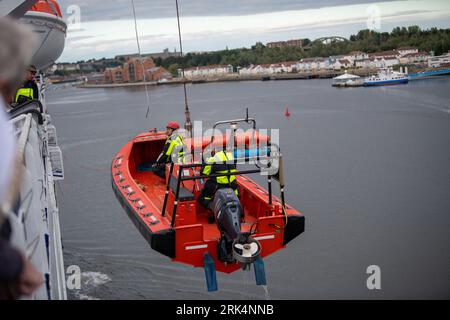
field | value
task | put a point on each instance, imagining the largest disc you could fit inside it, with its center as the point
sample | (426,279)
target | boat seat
(184,194)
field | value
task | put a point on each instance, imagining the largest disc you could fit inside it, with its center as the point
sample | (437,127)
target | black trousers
(160,170)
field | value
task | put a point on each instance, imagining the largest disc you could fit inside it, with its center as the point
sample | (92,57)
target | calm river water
(369,167)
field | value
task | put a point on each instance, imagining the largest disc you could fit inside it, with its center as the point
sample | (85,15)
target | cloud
(100,10)
(211,32)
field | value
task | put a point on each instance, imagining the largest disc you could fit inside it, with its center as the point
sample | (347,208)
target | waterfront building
(94,78)
(341,64)
(291,66)
(86,67)
(113,75)
(254,70)
(136,70)
(276,68)
(407,50)
(308,64)
(362,63)
(414,58)
(439,61)
(206,71)
(68,67)
(376,62)
(386,54)
(158,74)
(356,55)
(390,62)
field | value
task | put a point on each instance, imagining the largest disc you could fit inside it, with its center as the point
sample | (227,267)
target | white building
(253,70)
(362,63)
(291,66)
(274,68)
(410,58)
(68,66)
(407,50)
(340,64)
(438,61)
(307,65)
(356,55)
(206,71)
(386,54)
(390,62)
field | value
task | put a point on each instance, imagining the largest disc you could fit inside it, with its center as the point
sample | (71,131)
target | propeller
(248,249)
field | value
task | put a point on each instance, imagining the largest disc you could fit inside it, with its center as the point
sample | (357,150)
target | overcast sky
(106,28)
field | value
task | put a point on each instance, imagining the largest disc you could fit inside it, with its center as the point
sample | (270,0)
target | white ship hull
(386,77)
(35,219)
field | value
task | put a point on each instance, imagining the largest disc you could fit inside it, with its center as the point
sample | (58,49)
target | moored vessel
(347,80)
(429,74)
(385,77)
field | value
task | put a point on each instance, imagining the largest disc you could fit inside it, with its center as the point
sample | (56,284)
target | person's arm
(17,275)
(35,91)
(163,156)
(207,169)
(11,264)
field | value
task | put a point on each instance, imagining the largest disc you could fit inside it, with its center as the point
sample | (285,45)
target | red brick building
(113,75)
(290,43)
(136,70)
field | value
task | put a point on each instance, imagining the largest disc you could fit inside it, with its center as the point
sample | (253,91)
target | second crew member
(173,150)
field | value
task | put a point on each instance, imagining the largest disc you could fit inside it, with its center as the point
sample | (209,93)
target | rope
(187,123)
(140,59)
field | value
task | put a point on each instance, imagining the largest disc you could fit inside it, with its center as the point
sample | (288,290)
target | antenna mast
(187,113)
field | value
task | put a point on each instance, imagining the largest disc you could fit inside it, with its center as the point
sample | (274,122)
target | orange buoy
(286,112)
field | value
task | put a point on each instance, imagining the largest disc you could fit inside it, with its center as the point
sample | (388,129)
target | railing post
(281,180)
(269,187)
(166,195)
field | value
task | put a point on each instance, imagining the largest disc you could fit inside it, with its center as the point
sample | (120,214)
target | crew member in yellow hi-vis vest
(29,89)
(173,150)
(221,162)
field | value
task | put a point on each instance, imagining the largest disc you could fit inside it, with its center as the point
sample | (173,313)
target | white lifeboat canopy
(46,22)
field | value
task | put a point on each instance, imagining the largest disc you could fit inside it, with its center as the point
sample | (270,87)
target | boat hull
(385,82)
(429,74)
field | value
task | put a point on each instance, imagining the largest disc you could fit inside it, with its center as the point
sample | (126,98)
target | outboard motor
(227,213)
(234,245)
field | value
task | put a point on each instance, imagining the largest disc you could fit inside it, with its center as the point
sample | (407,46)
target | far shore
(236,77)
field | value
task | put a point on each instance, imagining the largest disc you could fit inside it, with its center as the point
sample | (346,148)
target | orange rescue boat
(168,216)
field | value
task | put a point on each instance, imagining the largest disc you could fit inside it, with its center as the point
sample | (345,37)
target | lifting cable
(141,59)
(187,123)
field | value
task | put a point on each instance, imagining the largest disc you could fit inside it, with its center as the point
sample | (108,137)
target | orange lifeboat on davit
(45,20)
(48,6)
(168,216)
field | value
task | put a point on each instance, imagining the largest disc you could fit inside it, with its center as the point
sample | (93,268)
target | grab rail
(279,178)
